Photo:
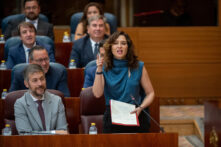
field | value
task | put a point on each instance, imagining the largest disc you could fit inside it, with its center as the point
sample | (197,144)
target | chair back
(19,17)
(14,41)
(91,110)
(76,17)
(90,64)
(9,106)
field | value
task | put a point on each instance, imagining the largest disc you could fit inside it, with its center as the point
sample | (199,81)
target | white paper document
(120,113)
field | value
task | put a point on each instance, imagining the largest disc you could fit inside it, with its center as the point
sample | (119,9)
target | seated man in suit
(85,49)
(38,109)
(19,53)
(32,11)
(55,73)
(91,67)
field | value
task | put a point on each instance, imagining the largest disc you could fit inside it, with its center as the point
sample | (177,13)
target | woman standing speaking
(119,76)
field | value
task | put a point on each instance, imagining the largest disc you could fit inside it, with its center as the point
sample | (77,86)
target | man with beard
(55,73)
(39,110)
(19,53)
(32,10)
(85,49)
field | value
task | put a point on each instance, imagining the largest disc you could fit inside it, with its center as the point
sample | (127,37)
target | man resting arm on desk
(38,110)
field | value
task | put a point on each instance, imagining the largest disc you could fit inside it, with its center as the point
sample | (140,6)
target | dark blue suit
(16,54)
(89,76)
(82,51)
(43,29)
(56,78)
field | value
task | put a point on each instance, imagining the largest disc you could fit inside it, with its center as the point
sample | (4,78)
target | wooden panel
(183,62)
(59,32)
(177,45)
(154,110)
(75,81)
(1,51)
(63,52)
(101,140)
(5,79)
(185,80)
(72,106)
(212,121)
(2,102)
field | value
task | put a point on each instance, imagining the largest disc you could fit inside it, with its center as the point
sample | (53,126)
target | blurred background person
(91,9)
(32,11)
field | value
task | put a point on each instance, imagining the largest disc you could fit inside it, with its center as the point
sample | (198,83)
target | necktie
(27,59)
(41,113)
(96,50)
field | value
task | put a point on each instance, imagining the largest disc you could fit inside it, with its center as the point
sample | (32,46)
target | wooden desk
(212,119)
(63,52)
(100,140)
(75,81)
(2,51)
(72,106)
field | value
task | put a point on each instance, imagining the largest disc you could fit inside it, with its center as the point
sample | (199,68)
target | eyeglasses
(41,60)
(33,8)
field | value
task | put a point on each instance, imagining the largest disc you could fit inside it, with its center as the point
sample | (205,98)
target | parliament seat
(76,17)
(17,16)
(14,41)
(91,110)
(10,100)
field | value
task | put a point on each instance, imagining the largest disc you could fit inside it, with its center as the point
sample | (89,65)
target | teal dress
(121,83)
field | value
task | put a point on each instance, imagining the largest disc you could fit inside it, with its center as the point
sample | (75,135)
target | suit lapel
(33,109)
(89,51)
(22,53)
(47,110)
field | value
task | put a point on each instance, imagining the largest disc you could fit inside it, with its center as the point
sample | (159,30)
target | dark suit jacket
(43,29)
(82,51)
(89,76)
(27,117)
(16,54)
(56,78)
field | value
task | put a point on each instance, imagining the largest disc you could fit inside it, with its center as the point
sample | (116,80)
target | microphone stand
(148,115)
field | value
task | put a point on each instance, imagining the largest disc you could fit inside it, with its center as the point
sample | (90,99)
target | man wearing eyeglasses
(32,11)
(19,53)
(55,73)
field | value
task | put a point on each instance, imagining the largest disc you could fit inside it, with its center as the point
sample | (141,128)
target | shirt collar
(26,48)
(28,20)
(93,42)
(35,99)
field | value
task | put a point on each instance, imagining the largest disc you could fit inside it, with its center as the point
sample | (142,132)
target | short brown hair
(30,69)
(26,24)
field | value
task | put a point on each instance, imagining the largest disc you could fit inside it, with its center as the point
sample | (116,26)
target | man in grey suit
(38,110)
(85,49)
(32,11)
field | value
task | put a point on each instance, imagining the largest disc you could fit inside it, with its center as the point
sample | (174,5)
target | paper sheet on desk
(120,114)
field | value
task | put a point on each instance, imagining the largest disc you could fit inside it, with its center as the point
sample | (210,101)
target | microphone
(148,115)
(36,132)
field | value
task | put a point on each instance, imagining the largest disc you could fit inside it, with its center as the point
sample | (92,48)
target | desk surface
(100,140)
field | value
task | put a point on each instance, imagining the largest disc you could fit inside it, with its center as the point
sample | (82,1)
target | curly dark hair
(130,56)
(84,17)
